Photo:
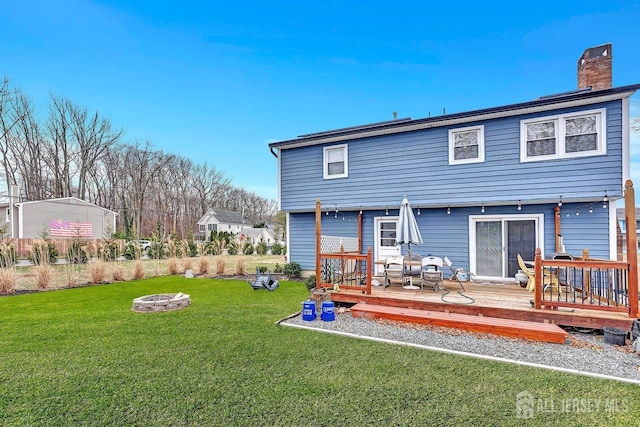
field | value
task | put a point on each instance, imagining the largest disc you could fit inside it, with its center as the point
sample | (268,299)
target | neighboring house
(67,217)
(485,185)
(220,221)
(253,236)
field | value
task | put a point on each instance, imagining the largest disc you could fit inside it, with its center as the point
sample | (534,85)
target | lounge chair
(263,282)
(548,278)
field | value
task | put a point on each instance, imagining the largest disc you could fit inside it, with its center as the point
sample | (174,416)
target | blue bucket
(309,310)
(328,314)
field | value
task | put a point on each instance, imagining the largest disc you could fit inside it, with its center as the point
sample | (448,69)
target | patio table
(411,263)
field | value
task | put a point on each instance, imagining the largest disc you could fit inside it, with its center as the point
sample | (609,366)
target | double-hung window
(565,135)
(336,162)
(466,145)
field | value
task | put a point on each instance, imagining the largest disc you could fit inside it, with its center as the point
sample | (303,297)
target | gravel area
(586,352)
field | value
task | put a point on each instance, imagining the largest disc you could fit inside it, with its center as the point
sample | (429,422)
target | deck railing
(585,283)
(347,270)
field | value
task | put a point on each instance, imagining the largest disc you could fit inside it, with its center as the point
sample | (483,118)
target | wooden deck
(506,327)
(504,301)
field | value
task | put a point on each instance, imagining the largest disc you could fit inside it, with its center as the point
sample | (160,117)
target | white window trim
(480,158)
(559,119)
(325,164)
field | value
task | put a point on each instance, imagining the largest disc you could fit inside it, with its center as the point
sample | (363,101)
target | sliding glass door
(495,242)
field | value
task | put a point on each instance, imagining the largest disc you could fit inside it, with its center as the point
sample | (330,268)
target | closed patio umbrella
(408,231)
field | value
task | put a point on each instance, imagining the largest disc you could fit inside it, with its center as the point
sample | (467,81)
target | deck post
(632,245)
(538,279)
(318,242)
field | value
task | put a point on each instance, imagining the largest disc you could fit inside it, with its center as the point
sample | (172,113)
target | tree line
(71,151)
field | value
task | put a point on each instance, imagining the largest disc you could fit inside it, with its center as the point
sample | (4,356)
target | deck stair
(537,331)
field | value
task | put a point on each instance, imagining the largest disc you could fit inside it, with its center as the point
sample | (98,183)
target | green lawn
(81,357)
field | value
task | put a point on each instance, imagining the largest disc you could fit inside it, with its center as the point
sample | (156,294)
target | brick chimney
(594,68)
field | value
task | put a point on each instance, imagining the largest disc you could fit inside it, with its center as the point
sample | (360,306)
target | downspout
(556,216)
(272,152)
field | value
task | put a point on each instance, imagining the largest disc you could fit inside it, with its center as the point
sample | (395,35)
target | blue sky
(217,81)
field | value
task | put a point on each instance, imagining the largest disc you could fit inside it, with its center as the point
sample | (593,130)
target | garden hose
(461,293)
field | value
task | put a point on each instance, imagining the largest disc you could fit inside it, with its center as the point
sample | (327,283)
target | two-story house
(485,185)
(221,221)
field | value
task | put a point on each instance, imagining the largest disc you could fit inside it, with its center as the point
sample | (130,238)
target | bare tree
(208,185)
(61,151)
(142,165)
(25,142)
(7,123)
(94,136)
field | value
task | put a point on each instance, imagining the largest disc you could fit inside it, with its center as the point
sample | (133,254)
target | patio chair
(548,278)
(263,282)
(431,272)
(394,270)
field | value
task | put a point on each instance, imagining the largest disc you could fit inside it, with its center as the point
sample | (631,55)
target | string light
(590,209)
(418,211)
(560,202)
(577,213)
(449,211)
(386,211)
(519,205)
(605,200)
(482,210)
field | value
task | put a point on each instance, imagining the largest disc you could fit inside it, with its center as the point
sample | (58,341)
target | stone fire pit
(161,302)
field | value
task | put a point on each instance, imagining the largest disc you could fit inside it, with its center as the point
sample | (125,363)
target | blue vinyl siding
(587,230)
(382,169)
(448,235)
